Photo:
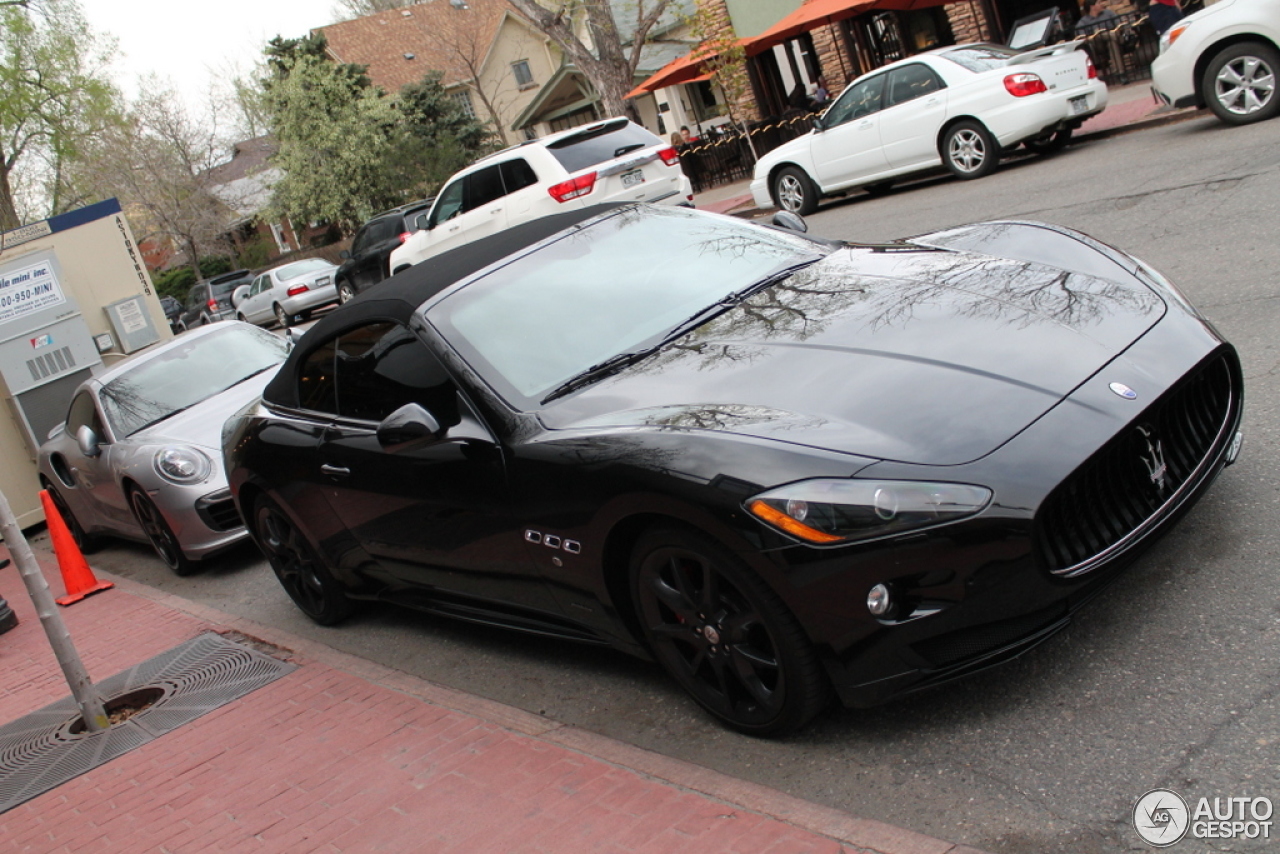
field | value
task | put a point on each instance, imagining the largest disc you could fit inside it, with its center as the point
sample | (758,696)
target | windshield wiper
(613,364)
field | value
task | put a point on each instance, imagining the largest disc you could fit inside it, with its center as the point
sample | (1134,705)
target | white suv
(614,160)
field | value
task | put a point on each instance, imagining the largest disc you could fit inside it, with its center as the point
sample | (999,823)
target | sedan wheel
(970,151)
(1240,84)
(160,534)
(283,317)
(346,293)
(307,581)
(725,637)
(795,192)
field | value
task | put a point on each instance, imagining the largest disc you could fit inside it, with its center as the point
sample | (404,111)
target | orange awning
(684,69)
(816,13)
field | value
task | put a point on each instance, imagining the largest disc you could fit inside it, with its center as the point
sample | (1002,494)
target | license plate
(1079,104)
(635,176)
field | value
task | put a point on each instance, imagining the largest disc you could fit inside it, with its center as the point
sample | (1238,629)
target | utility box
(74,296)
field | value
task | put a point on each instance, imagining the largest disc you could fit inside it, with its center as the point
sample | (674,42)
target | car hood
(927,356)
(201,425)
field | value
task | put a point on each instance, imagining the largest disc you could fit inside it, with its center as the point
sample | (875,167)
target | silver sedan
(286,292)
(139,455)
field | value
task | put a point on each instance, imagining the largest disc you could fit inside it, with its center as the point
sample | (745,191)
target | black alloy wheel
(346,292)
(723,635)
(1239,85)
(969,150)
(794,191)
(283,317)
(87,543)
(1049,143)
(307,581)
(159,533)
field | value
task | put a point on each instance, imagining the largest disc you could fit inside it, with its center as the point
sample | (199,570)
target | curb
(864,836)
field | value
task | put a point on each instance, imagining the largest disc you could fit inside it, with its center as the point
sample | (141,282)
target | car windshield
(191,370)
(300,268)
(980,57)
(617,286)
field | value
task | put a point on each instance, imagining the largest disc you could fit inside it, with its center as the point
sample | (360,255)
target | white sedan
(289,291)
(1224,57)
(957,106)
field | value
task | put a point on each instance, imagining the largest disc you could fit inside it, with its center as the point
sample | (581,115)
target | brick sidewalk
(344,755)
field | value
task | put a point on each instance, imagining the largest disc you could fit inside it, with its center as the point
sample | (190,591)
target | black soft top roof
(398,297)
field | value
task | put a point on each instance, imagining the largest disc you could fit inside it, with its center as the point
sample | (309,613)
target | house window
(464,101)
(524,77)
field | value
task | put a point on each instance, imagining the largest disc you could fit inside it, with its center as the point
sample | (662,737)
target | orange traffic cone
(77,577)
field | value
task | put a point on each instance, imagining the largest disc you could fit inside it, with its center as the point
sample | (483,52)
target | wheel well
(778,167)
(616,562)
(1207,55)
(401,269)
(946,129)
(247,497)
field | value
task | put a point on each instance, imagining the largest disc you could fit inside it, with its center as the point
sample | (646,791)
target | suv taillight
(669,156)
(405,235)
(573,188)
(213,304)
(1022,85)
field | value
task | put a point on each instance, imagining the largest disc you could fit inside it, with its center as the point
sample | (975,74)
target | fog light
(878,600)
(1233,451)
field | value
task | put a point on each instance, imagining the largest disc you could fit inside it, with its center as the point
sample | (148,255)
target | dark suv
(365,264)
(209,299)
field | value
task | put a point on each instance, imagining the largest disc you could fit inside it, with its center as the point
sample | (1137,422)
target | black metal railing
(1122,48)
(725,155)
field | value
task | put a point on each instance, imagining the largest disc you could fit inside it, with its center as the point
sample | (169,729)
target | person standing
(1163,14)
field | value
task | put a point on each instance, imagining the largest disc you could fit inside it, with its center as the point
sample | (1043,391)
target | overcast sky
(191,43)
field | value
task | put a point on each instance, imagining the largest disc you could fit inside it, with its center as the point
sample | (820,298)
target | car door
(848,146)
(96,499)
(256,307)
(914,112)
(434,513)
(481,210)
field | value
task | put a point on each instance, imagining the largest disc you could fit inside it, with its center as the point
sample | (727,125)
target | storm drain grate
(40,751)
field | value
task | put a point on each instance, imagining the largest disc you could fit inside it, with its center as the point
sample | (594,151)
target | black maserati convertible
(777,465)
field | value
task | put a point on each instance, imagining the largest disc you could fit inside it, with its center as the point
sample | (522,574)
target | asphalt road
(1171,679)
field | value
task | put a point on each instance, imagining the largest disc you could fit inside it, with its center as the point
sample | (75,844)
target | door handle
(336,472)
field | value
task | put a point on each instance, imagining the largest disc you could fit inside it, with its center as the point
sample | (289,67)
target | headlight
(181,464)
(827,512)
(1171,35)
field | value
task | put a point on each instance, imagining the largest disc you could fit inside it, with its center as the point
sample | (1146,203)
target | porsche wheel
(723,635)
(159,534)
(1239,85)
(970,151)
(300,571)
(794,191)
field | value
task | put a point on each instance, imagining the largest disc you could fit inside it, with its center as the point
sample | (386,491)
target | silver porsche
(139,455)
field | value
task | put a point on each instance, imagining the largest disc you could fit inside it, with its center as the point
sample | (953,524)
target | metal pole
(91,709)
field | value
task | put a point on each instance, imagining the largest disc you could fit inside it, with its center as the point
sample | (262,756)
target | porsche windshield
(618,285)
(187,372)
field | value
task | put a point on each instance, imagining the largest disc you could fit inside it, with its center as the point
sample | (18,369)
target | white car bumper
(1037,113)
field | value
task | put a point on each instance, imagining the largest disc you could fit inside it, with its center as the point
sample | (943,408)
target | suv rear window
(599,143)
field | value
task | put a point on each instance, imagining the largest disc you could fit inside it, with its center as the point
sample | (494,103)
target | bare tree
(610,62)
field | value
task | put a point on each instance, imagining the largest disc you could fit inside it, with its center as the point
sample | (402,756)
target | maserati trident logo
(1153,456)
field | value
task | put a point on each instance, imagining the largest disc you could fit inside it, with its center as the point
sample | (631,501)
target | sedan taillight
(1022,85)
(296,289)
(669,156)
(573,188)
(1090,70)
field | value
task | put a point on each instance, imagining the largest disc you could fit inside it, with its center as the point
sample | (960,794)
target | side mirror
(88,441)
(409,423)
(817,124)
(790,221)
(345,255)
(238,295)
(423,222)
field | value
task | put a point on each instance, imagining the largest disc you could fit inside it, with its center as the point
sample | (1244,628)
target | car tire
(723,635)
(205,320)
(1239,83)
(297,566)
(346,292)
(1049,143)
(969,150)
(87,543)
(283,317)
(241,318)
(159,534)
(794,191)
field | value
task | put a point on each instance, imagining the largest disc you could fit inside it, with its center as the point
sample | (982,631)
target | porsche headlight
(182,464)
(828,512)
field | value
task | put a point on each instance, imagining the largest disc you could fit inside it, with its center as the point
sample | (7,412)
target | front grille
(219,512)
(1139,476)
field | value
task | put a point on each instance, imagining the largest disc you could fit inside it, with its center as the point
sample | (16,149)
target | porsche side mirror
(88,441)
(409,423)
(790,221)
